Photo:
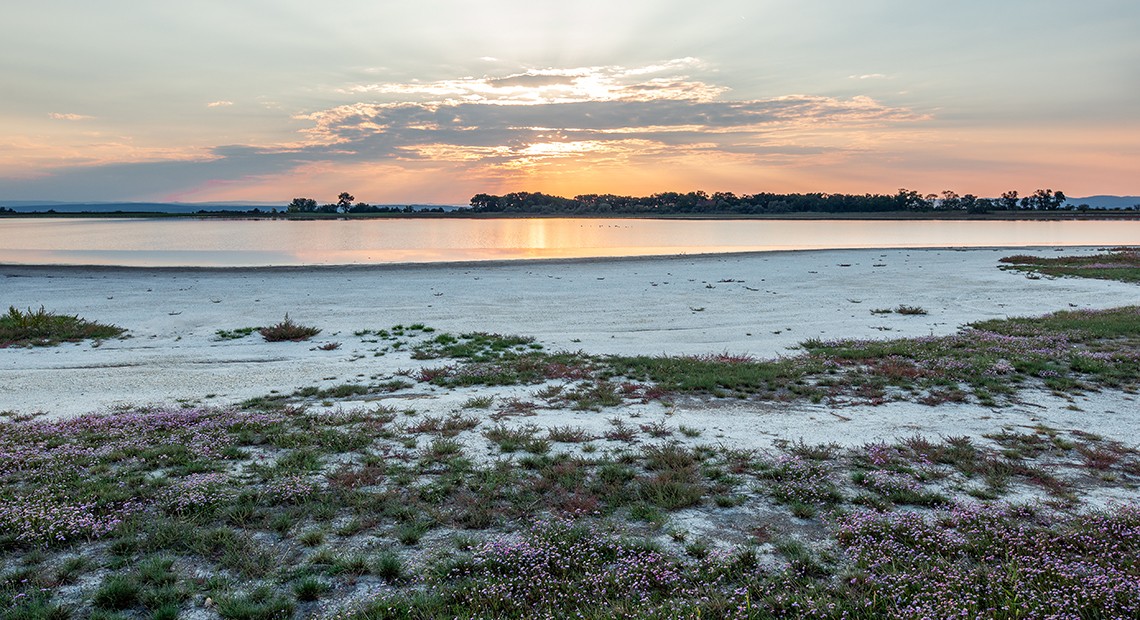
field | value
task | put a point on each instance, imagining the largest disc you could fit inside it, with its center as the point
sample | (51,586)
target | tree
(1008,200)
(983,205)
(344,201)
(302,205)
(1044,200)
(950,200)
(485,202)
(910,200)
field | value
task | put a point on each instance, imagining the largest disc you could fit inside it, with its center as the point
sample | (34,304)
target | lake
(255,243)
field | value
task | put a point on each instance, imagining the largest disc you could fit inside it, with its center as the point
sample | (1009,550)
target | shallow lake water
(251,243)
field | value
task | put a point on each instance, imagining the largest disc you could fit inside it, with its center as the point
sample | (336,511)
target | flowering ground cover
(374,513)
(1121,263)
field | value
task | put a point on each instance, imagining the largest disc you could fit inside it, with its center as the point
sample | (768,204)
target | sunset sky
(437,100)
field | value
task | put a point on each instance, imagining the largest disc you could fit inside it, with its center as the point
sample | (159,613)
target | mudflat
(758,304)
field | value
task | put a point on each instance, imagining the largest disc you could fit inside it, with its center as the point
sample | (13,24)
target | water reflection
(187,242)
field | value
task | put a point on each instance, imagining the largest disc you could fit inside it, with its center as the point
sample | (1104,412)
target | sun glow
(553,86)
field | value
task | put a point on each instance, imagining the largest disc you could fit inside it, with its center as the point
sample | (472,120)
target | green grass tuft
(41,328)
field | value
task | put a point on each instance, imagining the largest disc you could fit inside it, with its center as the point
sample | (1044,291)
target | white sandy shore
(759,304)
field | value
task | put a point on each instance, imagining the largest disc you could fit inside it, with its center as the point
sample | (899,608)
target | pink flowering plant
(81,478)
(196,493)
(794,479)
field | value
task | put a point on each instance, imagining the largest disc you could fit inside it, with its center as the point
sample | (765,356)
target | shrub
(568,434)
(288,330)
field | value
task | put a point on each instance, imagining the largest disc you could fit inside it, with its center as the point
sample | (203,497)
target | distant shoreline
(871,216)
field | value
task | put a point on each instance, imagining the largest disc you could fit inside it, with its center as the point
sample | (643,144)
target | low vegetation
(288,330)
(905,309)
(1122,263)
(987,362)
(277,514)
(236,334)
(990,361)
(40,328)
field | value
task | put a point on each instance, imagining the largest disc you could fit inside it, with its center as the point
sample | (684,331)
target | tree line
(727,203)
(344,204)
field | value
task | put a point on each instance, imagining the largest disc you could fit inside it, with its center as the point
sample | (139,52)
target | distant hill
(1108,202)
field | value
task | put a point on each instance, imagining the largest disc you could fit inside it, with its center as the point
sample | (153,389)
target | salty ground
(759,304)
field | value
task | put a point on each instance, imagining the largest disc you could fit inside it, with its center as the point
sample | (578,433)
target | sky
(437,100)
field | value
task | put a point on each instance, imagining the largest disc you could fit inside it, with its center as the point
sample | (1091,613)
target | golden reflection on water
(187,242)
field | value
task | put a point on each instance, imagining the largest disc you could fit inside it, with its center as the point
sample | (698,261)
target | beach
(758,304)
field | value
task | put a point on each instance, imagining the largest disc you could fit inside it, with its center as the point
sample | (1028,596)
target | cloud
(532,80)
(525,123)
(68,117)
(542,115)
(868,76)
(532,134)
(214,104)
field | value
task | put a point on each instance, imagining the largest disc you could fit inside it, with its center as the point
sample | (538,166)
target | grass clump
(716,375)
(261,604)
(235,334)
(288,330)
(475,347)
(117,592)
(478,402)
(671,493)
(389,566)
(40,328)
(309,589)
(410,533)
